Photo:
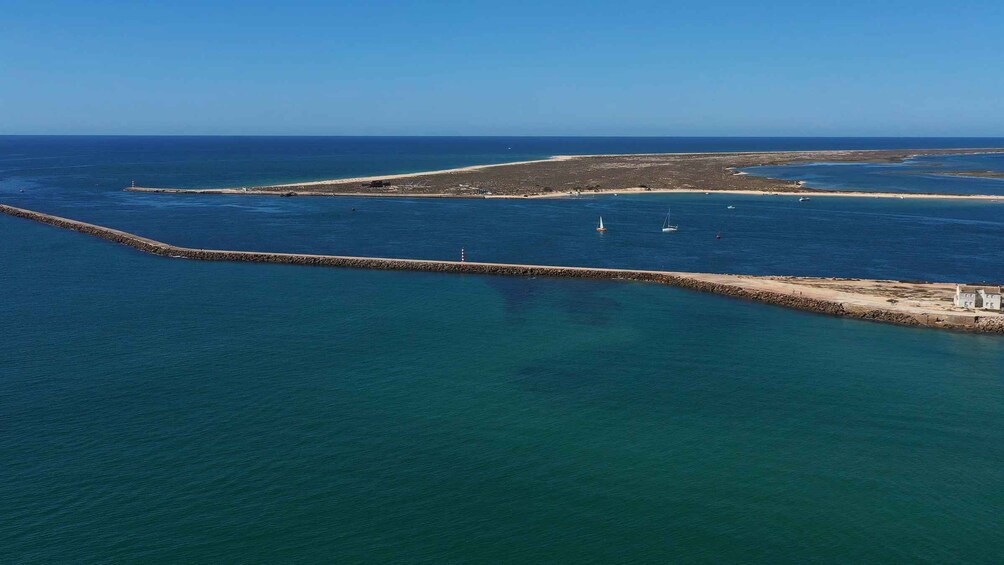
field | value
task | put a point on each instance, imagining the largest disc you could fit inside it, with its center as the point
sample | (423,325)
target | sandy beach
(795,193)
(603,192)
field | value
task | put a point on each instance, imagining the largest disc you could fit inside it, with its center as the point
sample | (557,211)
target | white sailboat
(667,226)
(600,228)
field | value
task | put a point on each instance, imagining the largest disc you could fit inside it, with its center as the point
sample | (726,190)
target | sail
(667,225)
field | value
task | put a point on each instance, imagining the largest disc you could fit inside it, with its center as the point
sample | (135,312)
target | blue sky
(503,68)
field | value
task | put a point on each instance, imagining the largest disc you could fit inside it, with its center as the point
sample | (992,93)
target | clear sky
(503,68)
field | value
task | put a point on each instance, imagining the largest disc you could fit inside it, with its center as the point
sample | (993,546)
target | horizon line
(485,136)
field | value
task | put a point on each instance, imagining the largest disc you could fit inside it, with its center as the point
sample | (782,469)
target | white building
(978,297)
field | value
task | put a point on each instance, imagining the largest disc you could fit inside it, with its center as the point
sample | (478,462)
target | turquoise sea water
(175,411)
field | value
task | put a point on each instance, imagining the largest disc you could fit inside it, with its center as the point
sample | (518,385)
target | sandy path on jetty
(865,294)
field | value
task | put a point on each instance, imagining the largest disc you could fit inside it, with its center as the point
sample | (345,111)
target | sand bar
(565,176)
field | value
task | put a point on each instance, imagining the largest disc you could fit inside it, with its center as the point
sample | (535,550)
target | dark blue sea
(937,174)
(163,411)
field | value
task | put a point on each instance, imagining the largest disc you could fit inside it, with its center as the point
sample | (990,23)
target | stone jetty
(909,304)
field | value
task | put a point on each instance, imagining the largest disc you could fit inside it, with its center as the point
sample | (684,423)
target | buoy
(462,259)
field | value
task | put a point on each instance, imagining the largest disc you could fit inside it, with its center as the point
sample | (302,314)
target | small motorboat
(731,207)
(803,199)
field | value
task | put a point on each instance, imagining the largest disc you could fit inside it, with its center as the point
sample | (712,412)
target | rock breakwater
(743,287)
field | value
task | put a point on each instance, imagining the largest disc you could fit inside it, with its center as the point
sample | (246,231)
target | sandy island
(564,176)
(898,302)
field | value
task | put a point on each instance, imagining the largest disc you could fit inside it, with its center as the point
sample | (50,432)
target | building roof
(985,289)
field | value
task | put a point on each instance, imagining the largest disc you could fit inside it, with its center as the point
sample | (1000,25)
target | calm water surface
(853,237)
(174,411)
(919,174)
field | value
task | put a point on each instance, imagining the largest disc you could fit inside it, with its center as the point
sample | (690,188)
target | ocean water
(763,235)
(926,173)
(163,411)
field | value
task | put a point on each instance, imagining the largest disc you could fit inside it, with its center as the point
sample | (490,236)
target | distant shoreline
(581,175)
(607,192)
